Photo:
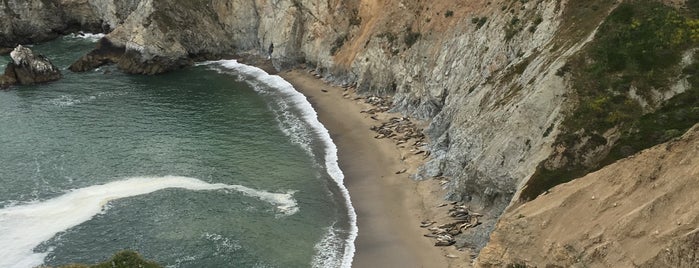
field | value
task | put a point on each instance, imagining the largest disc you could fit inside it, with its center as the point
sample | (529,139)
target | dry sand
(389,206)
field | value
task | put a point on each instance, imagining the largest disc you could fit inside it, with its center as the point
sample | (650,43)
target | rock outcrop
(638,212)
(26,68)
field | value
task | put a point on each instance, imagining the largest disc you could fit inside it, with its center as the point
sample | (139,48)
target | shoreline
(389,204)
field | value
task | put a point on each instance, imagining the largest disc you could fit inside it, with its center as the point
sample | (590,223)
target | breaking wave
(300,135)
(23,227)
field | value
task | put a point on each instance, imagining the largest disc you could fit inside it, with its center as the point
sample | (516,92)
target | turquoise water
(202,167)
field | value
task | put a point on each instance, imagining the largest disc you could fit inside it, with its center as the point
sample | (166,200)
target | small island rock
(26,68)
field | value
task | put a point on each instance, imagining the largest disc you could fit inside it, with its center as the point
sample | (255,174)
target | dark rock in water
(132,62)
(104,53)
(29,69)
(5,50)
(128,61)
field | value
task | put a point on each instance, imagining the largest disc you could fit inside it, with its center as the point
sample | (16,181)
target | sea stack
(26,68)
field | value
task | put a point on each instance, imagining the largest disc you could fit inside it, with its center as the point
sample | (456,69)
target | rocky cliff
(502,83)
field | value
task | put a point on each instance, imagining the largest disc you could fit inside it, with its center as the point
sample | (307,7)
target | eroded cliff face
(638,212)
(488,75)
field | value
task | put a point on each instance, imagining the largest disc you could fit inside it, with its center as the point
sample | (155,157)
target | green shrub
(538,20)
(355,19)
(339,42)
(411,37)
(391,37)
(479,21)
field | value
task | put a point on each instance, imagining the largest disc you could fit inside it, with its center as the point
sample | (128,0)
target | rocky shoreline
(494,79)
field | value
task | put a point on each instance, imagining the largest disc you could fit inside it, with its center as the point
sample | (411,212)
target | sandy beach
(389,206)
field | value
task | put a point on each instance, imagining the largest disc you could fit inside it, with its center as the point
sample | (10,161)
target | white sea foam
(23,227)
(67,100)
(309,115)
(327,255)
(89,36)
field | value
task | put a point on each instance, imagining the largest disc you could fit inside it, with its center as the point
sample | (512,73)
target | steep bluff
(494,78)
(638,212)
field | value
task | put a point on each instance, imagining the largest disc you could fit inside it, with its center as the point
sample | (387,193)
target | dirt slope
(642,211)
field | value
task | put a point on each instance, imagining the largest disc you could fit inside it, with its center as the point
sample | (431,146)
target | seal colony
(378,151)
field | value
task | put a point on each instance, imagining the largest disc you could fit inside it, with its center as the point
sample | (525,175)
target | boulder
(26,68)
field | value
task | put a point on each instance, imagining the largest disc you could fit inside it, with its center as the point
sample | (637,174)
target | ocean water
(217,165)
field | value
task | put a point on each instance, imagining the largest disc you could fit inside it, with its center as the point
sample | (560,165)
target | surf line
(24,227)
(310,116)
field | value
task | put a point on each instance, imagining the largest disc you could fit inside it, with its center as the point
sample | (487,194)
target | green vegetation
(391,37)
(512,28)
(411,37)
(479,21)
(123,259)
(639,47)
(355,19)
(449,13)
(538,20)
(339,42)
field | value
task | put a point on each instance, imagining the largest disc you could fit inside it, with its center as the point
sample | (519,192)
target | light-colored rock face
(638,212)
(112,12)
(24,56)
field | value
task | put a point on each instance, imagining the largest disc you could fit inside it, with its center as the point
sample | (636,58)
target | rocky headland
(520,96)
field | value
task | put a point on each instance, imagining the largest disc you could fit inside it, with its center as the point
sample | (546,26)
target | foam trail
(24,227)
(89,36)
(326,256)
(310,116)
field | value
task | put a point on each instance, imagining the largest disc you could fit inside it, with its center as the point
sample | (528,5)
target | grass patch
(639,46)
